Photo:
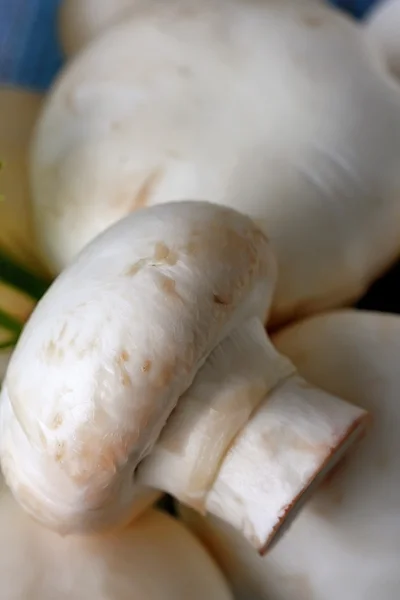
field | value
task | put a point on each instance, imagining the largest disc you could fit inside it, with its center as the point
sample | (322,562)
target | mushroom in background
(80,21)
(383,29)
(279,109)
(163,313)
(346,542)
(157,558)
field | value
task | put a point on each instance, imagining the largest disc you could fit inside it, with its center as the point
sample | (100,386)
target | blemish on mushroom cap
(146,366)
(142,197)
(111,405)
(162,252)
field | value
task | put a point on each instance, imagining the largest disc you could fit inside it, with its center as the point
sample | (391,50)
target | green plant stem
(10,323)
(8,344)
(20,278)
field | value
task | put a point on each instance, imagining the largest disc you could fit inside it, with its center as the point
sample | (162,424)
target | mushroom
(156,558)
(346,542)
(277,109)
(82,20)
(382,25)
(166,305)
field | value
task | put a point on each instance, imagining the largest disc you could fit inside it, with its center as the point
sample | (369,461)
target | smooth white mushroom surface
(383,28)
(82,20)
(19,110)
(279,109)
(165,307)
(155,558)
(346,542)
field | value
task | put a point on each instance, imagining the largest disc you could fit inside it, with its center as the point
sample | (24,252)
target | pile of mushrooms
(203,178)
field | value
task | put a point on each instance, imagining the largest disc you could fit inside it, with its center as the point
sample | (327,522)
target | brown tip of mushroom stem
(354,434)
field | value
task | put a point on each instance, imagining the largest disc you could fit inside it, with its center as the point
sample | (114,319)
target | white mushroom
(82,20)
(154,559)
(346,543)
(120,337)
(383,28)
(279,109)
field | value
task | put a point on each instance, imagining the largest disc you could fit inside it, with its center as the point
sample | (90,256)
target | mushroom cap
(383,29)
(82,20)
(19,109)
(278,109)
(113,344)
(346,542)
(155,558)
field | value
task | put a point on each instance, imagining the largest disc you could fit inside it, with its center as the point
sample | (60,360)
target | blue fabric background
(29,53)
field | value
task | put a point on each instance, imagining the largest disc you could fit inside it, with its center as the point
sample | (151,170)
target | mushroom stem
(250,440)
(237,376)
